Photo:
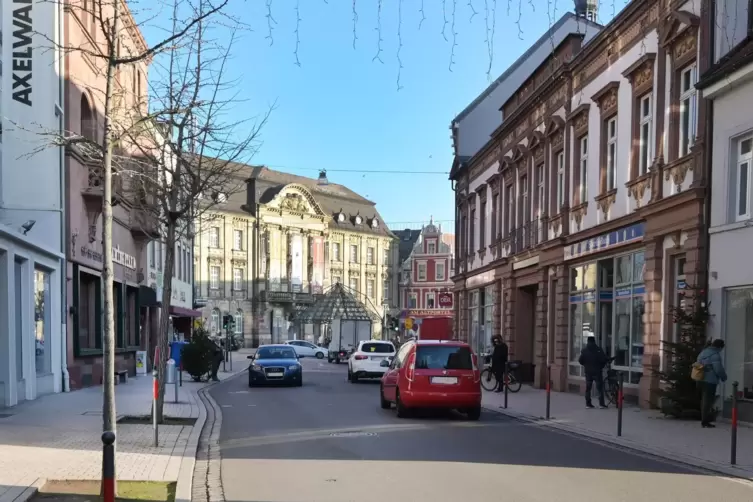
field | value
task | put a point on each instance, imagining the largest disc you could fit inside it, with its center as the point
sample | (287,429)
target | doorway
(525,331)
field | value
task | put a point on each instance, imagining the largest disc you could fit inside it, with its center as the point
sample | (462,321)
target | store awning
(184,312)
(148,297)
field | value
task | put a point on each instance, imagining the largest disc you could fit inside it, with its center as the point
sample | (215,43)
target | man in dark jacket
(218,356)
(499,362)
(593,360)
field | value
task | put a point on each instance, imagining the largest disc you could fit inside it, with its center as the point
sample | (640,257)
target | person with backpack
(708,371)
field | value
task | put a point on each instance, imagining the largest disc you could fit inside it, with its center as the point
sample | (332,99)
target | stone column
(508,323)
(463,315)
(561,329)
(540,328)
(497,309)
(652,318)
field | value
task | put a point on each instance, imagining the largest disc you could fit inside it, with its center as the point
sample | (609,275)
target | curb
(687,461)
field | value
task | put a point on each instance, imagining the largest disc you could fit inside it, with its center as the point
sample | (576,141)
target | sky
(376,123)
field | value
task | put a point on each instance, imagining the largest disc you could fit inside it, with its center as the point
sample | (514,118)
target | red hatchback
(433,374)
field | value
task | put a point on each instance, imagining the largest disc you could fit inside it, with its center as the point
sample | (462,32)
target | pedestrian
(499,362)
(217,358)
(713,373)
(593,359)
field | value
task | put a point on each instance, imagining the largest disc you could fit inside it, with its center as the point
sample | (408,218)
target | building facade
(728,84)
(312,234)
(583,215)
(32,325)
(132,229)
(425,284)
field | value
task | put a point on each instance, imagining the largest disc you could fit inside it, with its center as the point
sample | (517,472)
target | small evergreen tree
(682,399)
(198,353)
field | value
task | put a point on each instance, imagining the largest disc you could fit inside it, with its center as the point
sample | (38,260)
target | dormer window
(374,223)
(358,219)
(340,217)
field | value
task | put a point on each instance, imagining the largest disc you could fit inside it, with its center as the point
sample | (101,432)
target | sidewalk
(644,430)
(58,436)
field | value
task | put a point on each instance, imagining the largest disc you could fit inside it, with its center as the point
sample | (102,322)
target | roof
(333,198)
(546,37)
(408,239)
(336,303)
(740,55)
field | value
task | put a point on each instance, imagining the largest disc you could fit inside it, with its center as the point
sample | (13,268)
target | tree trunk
(164,322)
(109,341)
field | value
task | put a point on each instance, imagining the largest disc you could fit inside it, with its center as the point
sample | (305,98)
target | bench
(121,376)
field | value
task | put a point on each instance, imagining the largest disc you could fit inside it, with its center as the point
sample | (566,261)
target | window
(472,236)
(482,226)
(159,256)
(386,257)
(687,110)
(214,277)
(214,237)
(89,306)
(583,169)
(431,247)
(239,322)
(473,318)
(353,253)
(439,357)
(422,271)
(430,300)
(370,256)
(88,124)
(42,322)
(540,178)
(510,210)
(152,254)
(378,347)
(739,338)
(495,209)
(336,252)
(386,292)
(131,319)
(215,321)
(743,189)
(370,288)
(644,140)
(237,279)
(238,240)
(177,263)
(336,279)
(524,200)
(611,166)
(412,300)
(560,181)
(440,272)
(487,321)
(353,283)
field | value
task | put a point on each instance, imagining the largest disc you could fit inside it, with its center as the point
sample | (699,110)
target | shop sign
(478,280)
(123,258)
(445,300)
(606,241)
(426,313)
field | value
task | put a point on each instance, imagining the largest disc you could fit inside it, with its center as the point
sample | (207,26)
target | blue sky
(341,110)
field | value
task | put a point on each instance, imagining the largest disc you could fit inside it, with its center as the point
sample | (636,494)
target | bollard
(620,399)
(733,445)
(155,397)
(175,382)
(108,466)
(180,374)
(548,390)
(504,383)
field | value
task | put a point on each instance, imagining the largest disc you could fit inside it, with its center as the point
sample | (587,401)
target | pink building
(84,105)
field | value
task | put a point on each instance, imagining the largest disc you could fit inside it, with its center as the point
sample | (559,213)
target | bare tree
(158,154)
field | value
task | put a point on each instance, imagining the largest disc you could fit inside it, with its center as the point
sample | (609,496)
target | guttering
(60,111)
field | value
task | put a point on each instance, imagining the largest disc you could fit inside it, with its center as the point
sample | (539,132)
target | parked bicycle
(489,380)
(611,384)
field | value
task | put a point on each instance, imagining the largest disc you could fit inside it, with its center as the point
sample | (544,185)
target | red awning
(184,312)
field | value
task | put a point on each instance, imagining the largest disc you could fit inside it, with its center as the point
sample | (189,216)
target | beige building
(312,235)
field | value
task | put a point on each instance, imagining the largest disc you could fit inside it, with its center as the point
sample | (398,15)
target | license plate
(374,358)
(444,380)
(275,374)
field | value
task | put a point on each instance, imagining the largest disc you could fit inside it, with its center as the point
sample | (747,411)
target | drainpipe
(708,149)
(64,210)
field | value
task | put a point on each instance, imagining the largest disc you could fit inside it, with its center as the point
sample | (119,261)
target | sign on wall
(609,240)
(445,300)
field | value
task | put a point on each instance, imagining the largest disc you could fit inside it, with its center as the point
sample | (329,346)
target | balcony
(240,254)
(239,294)
(216,252)
(144,223)
(525,237)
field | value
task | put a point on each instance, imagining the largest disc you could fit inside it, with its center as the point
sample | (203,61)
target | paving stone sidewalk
(58,436)
(644,430)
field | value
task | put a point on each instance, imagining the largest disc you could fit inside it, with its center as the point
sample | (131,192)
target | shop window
(485,343)
(679,296)
(88,312)
(42,322)
(473,317)
(131,317)
(628,314)
(738,333)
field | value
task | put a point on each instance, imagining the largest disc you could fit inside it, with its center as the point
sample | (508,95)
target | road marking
(252,405)
(353,434)
(239,392)
(227,405)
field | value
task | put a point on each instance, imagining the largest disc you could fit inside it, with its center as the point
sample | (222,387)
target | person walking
(217,358)
(499,362)
(593,359)
(713,373)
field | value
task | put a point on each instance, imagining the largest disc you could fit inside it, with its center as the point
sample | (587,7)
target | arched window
(215,327)
(239,322)
(87,120)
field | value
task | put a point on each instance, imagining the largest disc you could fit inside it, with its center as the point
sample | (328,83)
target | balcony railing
(525,237)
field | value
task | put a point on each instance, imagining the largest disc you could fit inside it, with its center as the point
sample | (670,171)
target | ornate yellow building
(312,234)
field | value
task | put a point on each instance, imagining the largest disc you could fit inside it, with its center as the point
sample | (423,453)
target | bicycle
(611,385)
(489,380)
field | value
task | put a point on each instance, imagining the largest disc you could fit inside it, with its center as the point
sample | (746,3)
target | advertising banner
(445,300)
(296,252)
(317,277)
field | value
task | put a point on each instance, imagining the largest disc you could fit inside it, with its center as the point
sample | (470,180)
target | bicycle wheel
(488,381)
(611,389)
(513,385)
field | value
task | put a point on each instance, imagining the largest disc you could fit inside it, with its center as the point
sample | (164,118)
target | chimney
(250,196)
(588,9)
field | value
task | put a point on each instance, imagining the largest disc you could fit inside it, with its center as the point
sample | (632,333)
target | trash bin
(176,349)
(170,370)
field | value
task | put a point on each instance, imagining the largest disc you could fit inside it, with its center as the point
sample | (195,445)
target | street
(330,441)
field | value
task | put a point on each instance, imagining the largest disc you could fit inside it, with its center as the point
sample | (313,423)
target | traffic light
(227,322)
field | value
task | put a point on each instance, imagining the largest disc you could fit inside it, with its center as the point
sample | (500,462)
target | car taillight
(411,367)
(361,358)
(476,373)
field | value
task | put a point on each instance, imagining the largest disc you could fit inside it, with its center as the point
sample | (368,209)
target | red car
(432,374)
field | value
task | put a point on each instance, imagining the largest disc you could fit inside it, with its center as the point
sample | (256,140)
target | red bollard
(108,466)
(154,408)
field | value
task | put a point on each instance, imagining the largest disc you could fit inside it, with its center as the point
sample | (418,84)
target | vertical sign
(318,263)
(273,252)
(296,254)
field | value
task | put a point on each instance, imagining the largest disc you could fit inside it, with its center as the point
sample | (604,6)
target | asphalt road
(329,441)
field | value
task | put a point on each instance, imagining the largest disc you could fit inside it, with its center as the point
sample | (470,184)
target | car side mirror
(385,363)
(250,357)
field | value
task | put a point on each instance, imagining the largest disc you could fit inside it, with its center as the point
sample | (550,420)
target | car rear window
(379,348)
(438,357)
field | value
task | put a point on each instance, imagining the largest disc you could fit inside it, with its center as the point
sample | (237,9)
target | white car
(307,349)
(366,361)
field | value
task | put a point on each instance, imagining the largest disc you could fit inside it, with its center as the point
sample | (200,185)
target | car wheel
(320,355)
(402,411)
(354,377)
(382,401)
(299,382)
(329,360)
(473,413)
(250,384)
(350,376)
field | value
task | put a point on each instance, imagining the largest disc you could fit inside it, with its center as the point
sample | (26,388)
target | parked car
(432,374)
(307,349)
(275,364)
(366,361)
